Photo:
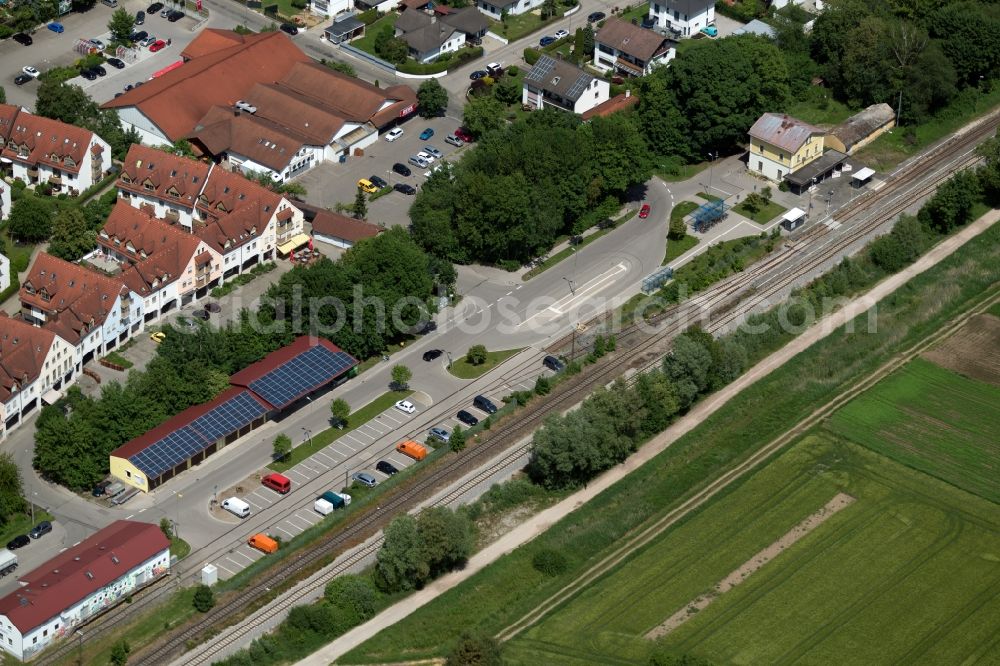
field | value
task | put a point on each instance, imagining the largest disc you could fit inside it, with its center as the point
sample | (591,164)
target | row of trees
(418,549)
(11,492)
(527,183)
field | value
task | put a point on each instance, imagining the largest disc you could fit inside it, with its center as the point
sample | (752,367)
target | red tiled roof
(64,581)
(8,112)
(278,358)
(210,41)
(238,209)
(634,40)
(249,135)
(613,105)
(23,349)
(336,225)
(79,299)
(46,141)
(178,421)
(173,178)
(157,251)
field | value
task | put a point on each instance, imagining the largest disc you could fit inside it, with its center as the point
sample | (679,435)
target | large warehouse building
(262,390)
(81,582)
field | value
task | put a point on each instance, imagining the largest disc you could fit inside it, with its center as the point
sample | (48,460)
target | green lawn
(994,309)
(817,112)
(523,25)
(676,248)
(21,523)
(465,370)
(639,12)
(567,252)
(323,439)
(903,557)
(367,43)
(179,547)
(118,359)
(933,420)
(709,197)
(684,172)
(762,216)
(510,587)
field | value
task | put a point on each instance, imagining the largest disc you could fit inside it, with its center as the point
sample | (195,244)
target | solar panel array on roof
(578,87)
(542,69)
(181,444)
(307,371)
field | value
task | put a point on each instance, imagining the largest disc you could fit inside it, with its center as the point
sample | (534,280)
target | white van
(237,507)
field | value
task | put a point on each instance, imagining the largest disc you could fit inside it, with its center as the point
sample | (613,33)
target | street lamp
(711,166)
(572,285)
(308,436)
(449,359)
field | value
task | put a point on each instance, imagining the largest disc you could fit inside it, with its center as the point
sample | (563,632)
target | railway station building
(268,389)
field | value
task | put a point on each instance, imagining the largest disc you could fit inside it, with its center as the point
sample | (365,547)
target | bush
(476,355)
(370,16)
(441,64)
(549,562)
(204,599)
(354,593)
(476,650)
(531,56)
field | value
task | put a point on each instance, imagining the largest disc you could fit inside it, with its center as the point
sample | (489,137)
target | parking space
(332,183)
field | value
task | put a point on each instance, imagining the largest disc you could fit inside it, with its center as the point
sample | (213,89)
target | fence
(364,55)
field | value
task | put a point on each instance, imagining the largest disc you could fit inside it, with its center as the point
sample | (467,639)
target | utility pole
(711,167)
(572,353)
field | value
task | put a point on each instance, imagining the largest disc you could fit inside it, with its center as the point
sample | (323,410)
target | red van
(277,482)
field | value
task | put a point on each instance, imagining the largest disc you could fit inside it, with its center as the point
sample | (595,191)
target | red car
(464,135)
(644,211)
(157,45)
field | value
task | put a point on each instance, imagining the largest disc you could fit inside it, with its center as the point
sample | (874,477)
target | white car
(30,71)
(405,406)
(393,134)
(560,34)
(426,157)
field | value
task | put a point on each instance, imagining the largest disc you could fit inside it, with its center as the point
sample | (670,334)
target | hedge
(463,56)
(370,16)
(531,55)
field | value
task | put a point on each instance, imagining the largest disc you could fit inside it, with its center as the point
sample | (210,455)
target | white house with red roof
(4,200)
(99,572)
(35,366)
(42,150)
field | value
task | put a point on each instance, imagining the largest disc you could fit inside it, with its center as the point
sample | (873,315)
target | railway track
(642,354)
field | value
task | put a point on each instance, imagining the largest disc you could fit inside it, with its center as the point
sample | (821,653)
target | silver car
(418,162)
(364,478)
(433,152)
(454,140)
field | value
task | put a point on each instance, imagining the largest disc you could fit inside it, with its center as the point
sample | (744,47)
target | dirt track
(542,521)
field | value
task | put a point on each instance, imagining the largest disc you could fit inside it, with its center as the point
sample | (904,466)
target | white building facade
(684,17)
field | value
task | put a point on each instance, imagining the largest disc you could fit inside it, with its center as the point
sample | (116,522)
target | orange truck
(413,449)
(263,543)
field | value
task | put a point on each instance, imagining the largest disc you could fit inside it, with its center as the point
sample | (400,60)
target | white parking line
(297,472)
(333,459)
(240,552)
(219,564)
(290,535)
(256,506)
(296,524)
(311,517)
(353,439)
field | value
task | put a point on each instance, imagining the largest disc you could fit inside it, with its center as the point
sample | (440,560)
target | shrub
(531,56)
(355,593)
(476,355)
(549,562)
(204,599)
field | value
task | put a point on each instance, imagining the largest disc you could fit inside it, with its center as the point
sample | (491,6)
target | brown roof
(76,573)
(340,226)
(467,19)
(413,19)
(264,142)
(8,112)
(177,100)
(634,40)
(414,4)
(172,177)
(210,41)
(158,252)
(237,210)
(863,124)
(613,105)
(47,141)
(76,300)
(23,349)
(783,131)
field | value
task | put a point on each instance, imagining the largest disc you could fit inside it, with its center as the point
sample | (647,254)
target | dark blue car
(546,40)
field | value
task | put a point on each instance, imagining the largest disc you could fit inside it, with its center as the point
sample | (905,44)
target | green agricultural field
(906,574)
(933,420)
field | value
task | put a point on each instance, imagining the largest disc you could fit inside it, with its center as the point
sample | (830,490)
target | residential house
(80,582)
(330,8)
(42,150)
(780,144)
(617,103)
(682,17)
(629,49)
(163,182)
(344,29)
(467,19)
(4,273)
(166,266)
(261,104)
(757,27)
(4,200)
(91,311)
(496,8)
(340,230)
(427,36)
(35,366)
(862,128)
(553,83)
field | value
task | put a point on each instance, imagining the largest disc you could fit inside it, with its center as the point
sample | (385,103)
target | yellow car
(367,185)
(158,337)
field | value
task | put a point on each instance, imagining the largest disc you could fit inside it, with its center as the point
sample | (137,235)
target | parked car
(478,74)
(99,70)
(418,162)
(404,188)
(561,34)
(23,38)
(116,63)
(175,16)
(289,28)
(594,17)
(440,433)
(494,69)
(546,40)
(406,406)
(393,134)
(466,418)
(386,468)
(30,71)
(433,152)
(485,404)
(158,337)
(140,17)
(426,134)
(140,36)
(711,31)
(378,182)
(158,45)
(147,41)
(429,327)
(553,363)
(40,530)
(401,169)
(98,44)
(465,135)
(365,479)
(200,314)
(155,7)
(21,79)
(56,27)
(644,211)
(88,74)
(99,489)
(426,157)
(367,186)
(432,354)
(454,140)
(18,542)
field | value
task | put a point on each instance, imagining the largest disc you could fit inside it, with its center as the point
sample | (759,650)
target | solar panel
(168,452)
(542,69)
(306,372)
(579,86)
(227,418)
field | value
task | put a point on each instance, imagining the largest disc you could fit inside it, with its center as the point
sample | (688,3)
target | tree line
(74,437)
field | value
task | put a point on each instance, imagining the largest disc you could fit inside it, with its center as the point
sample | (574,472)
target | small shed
(861,129)
(862,177)
(344,29)
(341,231)
(793,219)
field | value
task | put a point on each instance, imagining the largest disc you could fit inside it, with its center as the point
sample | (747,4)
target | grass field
(762,216)
(908,547)
(676,248)
(933,420)
(462,369)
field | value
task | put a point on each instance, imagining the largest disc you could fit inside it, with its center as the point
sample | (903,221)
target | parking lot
(332,183)
(359,451)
